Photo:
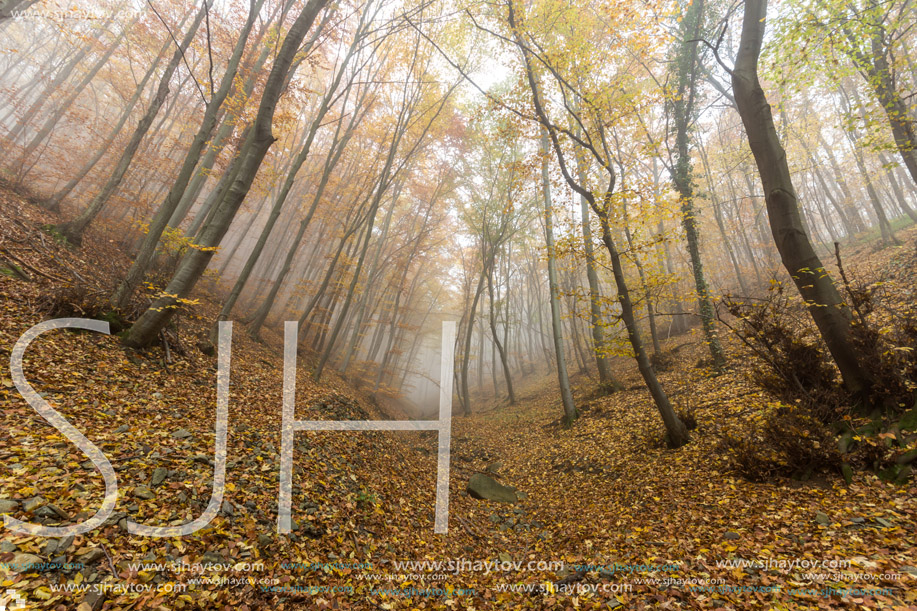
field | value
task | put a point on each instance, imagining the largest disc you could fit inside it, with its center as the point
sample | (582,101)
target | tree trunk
(896,188)
(74,229)
(500,348)
(53,203)
(151,322)
(62,75)
(880,79)
(281,198)
(606,377)
(65,104)
(11,8)
(828,310)
(142,261)
(570,413)
(686,65)
(718,216)
(853,212)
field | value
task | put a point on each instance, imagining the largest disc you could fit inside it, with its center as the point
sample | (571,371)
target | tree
(331,94)
(54,202)
(828,310)
(871,33)
(596,319)
(409,114)
(677,433)
(566,395)
(493,216)
(74,228)
(68,101)
(148,326)
(142,260)
(682,101)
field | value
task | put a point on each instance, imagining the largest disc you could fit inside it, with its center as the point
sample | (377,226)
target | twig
(29,267)
(15,269)
(467,528)
(209,46)
(111,563)
(59,261)
(788,376)
(165,345)
(853,298)
(180,50)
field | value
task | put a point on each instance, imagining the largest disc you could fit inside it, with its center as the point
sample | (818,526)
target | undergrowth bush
(72,300)
(79,301)
(784,440)
(798,433)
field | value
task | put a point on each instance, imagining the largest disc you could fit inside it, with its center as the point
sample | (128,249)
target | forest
(458,304)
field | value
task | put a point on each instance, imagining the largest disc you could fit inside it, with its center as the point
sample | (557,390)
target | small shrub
(72,300)
(785,440)
(366,500)
(662,361)
(608,387)
(797,369)
(688,418)
(55,234)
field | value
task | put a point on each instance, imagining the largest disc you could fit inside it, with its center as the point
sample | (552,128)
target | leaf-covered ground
(610,518)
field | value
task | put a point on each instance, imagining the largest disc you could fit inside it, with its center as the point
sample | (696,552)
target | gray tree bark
(144,257)
(67,102)
(828,310)
(54,202)
(563,379)
(687,67)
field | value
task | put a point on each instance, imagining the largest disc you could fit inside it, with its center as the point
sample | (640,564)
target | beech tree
(74,229)
(256,145)
(814,283)
(682,100)
(142,260)
(598,149)
(563,378)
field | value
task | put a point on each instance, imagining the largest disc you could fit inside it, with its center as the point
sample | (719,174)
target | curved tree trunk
(281,198)
(828,310)
(677,433)
(606,377)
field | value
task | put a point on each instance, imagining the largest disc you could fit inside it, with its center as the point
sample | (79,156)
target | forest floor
(610,517)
